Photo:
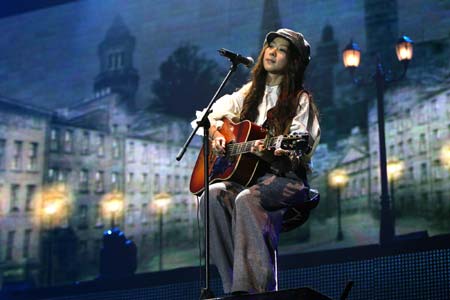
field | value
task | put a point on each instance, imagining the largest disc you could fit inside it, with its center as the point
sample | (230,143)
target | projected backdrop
(96,99)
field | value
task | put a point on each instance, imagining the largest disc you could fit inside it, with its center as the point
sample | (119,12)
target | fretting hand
(258,146)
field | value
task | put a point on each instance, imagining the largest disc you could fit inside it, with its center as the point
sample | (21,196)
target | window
(177,184)
(401,150)
(435,107)
(83,216)
(130,153)
(2,153)
(115,60)
(422,144)
(101,145)
(144,153)
(130,215)
(411,173)
(421,114)
(31,190)
(185,181)
(409,148)
(26,243)
(51,175)
(391,150)
(54,139)
(423,172)
(85,143)
(10,245)
(144,218)
(363,186)
(144,185)
(116,148)
(17,157)
(376,186)
(84,180)
(130,181)
(115,181)
(98,216)
(156,184)
(14,197)
(437,169)
(115,128)
(99,182)
(33,156)
(68,141)
(62,177)
(169,183)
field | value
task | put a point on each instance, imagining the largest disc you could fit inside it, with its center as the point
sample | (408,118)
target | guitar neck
(233,149)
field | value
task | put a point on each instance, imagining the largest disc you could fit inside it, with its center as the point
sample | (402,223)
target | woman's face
(275,56)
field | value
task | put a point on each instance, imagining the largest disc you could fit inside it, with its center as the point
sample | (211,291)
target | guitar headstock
(298,141)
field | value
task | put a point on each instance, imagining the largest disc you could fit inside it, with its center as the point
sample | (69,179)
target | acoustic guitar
(239,164)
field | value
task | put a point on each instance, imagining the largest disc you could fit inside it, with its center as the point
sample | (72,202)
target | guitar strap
(310,120)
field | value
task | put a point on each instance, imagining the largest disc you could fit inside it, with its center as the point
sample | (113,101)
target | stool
(293,218)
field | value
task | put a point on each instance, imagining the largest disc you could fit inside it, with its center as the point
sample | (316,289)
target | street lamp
(338,179)
(113,206)
(395,170)
(161,201)
(404,51)
(445,155)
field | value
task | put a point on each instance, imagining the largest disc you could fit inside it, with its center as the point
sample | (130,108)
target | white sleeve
(306,121)
(228,106)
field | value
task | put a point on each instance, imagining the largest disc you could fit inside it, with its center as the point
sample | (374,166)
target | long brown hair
(281,115)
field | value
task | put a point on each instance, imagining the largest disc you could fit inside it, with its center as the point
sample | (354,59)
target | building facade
(23,131)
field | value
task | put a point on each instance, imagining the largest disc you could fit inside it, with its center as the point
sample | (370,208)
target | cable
(200,256)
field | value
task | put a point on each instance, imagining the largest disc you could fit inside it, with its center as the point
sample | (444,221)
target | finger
(216,146)
(258,146)
(279,152)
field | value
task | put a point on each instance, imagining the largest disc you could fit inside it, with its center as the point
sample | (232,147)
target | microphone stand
(206,293)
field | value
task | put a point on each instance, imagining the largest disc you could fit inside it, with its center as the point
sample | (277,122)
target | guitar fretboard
(233,149)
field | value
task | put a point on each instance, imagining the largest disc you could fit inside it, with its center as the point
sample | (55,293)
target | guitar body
(243,168)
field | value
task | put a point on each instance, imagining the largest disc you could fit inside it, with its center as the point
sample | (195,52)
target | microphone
(237,58)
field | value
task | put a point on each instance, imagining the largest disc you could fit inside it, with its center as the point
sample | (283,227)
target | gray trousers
(244,229)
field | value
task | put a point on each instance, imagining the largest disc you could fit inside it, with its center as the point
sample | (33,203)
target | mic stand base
(206,294)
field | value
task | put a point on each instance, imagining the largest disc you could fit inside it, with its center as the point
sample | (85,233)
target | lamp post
(113,206)
(395,171)
(351,58)
(338,179)
(161,201)
(49,211)
(54,209)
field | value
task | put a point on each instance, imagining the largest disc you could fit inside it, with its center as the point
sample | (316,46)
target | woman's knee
(214,191)
(246,199)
